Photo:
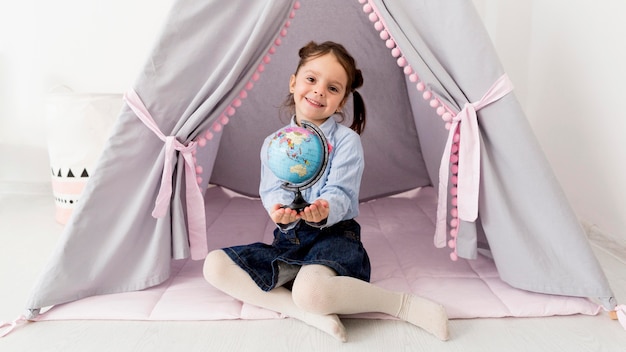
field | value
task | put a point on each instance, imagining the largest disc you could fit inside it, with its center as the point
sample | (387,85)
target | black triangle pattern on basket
(69,173)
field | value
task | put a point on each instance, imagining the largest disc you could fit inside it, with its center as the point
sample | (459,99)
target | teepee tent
(441,113)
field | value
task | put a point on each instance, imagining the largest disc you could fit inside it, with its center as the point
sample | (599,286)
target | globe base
(298,203)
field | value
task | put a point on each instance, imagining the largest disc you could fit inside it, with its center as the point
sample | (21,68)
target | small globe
(296,155)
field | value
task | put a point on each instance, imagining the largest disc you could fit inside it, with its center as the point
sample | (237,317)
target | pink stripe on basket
(68,187)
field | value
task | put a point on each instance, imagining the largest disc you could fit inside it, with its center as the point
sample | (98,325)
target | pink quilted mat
(397,233)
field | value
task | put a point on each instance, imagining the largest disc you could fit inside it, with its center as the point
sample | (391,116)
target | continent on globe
(298,169)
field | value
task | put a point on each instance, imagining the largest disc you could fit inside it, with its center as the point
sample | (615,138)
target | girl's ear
(292,84)
(343,102)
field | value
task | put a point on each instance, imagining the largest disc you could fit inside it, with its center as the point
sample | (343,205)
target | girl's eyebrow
(315,73)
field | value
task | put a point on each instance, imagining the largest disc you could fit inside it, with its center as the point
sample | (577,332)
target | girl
(317,268)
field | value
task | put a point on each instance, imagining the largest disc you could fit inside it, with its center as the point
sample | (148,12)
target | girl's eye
(334,89)
(310,79)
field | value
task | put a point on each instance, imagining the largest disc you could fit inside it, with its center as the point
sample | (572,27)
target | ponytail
(358,119)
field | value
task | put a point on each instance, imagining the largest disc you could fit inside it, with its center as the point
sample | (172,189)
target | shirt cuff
(287,227)
(317,224)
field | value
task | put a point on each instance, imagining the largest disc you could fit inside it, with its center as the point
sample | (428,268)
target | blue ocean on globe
(295,155)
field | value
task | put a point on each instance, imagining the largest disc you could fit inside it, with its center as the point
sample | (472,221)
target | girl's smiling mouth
(314,102)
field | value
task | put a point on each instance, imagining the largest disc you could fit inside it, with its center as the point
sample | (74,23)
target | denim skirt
(338,247)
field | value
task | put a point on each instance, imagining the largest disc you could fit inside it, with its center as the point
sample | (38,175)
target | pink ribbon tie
(469,160)
(7,327)
(195,201)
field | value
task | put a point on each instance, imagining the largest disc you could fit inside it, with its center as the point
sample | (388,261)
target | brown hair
(355,78)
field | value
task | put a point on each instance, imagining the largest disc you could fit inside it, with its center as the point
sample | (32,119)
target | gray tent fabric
(216,79)
(112,243)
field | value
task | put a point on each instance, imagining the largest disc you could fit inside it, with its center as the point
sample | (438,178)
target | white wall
(567,59)
(87,45)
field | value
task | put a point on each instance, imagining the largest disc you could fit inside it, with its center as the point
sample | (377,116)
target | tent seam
(481,277)
(172,277)
(386,237)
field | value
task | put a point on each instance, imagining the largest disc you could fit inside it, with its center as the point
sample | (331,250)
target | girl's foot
(425,314)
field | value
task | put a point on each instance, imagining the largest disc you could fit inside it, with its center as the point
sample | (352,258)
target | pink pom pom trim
(440,107)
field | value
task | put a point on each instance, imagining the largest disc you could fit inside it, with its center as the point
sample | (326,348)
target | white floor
(28,232)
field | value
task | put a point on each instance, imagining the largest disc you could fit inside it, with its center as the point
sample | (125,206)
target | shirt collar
(328,127)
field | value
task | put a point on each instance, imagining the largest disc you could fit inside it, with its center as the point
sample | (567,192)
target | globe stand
(298,204)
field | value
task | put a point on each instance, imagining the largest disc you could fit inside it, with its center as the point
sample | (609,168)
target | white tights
(318,295)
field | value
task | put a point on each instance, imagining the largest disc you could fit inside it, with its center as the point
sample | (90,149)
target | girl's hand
(316,212)
(282,215)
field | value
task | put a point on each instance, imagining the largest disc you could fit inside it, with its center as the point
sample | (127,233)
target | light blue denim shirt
(340,183)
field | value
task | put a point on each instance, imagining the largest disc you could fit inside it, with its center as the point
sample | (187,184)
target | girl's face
(319,89)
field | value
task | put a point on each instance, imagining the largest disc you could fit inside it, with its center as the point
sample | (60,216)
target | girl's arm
(345,170)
